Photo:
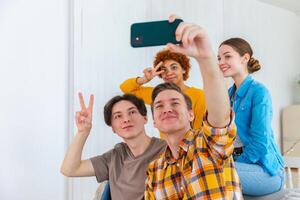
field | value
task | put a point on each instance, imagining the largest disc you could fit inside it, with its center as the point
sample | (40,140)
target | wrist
(206,58)
(83,133)
(141,80)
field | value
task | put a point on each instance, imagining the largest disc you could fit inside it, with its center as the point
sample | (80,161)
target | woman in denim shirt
(258,160)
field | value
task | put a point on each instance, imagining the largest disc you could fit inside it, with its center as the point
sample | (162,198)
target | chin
(168,129)
(170,81)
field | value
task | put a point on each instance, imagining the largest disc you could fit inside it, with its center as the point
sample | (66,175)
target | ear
(154,124)
(245,58)
(146,119)
(191,115)
(112,128)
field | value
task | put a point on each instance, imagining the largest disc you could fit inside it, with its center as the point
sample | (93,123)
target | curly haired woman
(170,67)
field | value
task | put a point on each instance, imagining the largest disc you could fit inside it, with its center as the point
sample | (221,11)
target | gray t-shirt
(126,173)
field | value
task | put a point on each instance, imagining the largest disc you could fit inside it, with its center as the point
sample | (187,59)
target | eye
(158,106)
(219,58)
(132,112)
(117,116)
(227,56)
(175,103)
(174,67)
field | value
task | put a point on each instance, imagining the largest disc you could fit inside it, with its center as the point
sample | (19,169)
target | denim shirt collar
(241,92)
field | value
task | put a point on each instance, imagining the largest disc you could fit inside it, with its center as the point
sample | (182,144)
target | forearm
(72,158)
(216,96)
(220,140)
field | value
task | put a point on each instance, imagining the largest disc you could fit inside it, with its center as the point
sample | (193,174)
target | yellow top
(196,95)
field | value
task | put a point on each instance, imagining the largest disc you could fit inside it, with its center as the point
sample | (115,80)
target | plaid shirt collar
(183,147)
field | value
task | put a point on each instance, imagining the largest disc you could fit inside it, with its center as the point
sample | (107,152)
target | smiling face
(170,112)
(231,62)
(126,120)
(173,72)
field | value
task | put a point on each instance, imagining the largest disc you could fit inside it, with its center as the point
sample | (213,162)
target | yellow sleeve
(199,106)
(219,140)
(132,87)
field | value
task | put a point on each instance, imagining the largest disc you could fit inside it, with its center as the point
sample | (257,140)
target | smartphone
(146,34)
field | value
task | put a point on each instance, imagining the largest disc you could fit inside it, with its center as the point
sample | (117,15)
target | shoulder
(159,145)
(194,93)
(259,87)
(195,90)
(119,148)
(260,92)
(159,142)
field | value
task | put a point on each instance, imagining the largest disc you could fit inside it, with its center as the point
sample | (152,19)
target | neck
(173,139)
(182,86)
(139,144)
(238,79)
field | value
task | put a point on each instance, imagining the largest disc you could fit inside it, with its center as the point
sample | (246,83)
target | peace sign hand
(150,73)
(83,118)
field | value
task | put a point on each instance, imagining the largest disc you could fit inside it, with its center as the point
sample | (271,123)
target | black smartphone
(154,33)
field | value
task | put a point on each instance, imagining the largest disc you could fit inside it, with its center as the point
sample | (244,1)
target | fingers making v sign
(150,73)
(83,117)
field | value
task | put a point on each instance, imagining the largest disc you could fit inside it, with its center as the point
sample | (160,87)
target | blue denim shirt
(253,115)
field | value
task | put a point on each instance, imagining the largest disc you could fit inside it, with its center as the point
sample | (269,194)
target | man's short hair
(170,86)
(139,103)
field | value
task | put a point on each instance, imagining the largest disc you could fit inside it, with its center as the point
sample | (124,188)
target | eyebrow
(227,52)
(119,112)
(132,108)
(172,99)
(173,63)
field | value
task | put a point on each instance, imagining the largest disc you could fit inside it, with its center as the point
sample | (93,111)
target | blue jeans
(256,182)
(106,193)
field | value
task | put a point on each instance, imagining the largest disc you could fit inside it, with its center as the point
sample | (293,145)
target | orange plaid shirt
(203,170)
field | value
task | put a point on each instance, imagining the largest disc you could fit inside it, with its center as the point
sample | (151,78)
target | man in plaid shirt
(195,165)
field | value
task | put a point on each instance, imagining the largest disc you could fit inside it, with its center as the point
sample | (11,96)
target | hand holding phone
(154,33)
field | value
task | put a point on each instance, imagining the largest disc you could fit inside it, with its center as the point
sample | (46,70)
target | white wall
(39,90)
(104,58)
(33,86)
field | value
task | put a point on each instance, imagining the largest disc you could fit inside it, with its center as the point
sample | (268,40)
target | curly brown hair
(182,59)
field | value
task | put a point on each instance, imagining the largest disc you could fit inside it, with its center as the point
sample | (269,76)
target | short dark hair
(139,103)
(170,86)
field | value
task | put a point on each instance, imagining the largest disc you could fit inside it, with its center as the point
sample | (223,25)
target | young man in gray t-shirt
(125,165)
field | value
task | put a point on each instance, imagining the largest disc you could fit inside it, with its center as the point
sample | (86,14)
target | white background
(50,50)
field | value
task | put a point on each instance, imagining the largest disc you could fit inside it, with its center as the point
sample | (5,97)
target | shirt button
(177,164)
(181,188)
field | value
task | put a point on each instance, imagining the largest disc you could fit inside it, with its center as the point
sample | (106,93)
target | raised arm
(134,85)
(72,165)
(195,43)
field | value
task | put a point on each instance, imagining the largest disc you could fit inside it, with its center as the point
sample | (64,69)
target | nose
(167,109)
(126,119)
(221,61)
